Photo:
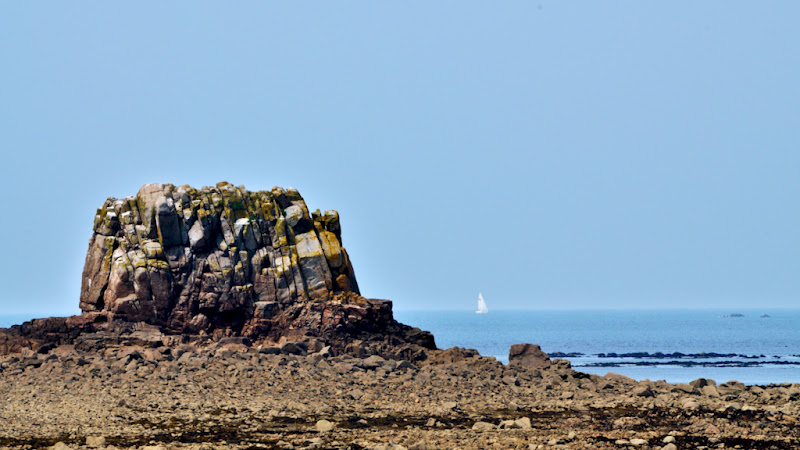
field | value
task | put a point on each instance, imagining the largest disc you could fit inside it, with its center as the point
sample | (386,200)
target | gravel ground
(233,396)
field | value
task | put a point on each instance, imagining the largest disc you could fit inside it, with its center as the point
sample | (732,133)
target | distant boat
(482,309)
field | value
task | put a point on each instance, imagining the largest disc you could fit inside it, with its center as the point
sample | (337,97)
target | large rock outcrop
(193,260)
(223,261)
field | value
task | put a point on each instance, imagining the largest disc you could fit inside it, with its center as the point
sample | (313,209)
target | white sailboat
(482,309)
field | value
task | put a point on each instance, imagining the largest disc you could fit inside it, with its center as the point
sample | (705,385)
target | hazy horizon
(609,155)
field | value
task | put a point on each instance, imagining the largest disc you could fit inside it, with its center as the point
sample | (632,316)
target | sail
(482,309)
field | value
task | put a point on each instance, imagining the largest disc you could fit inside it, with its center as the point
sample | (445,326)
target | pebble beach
(245,397)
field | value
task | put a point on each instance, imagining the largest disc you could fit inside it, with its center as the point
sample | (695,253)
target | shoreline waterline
(767,349)
(761,347)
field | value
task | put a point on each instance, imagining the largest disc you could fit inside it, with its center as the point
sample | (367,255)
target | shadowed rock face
(528,355)
(223,261)
(217,257)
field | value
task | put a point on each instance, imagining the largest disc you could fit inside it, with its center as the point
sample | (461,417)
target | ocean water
(756,349)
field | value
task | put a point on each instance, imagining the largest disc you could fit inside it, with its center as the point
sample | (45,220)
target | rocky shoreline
(224,318)
(228,394)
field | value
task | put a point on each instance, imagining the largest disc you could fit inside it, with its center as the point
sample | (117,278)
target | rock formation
(223,261)
(194,260)
(528,355)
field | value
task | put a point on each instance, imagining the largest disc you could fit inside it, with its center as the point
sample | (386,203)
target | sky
(552,155)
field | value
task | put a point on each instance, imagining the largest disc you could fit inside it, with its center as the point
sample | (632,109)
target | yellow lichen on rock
(186,250)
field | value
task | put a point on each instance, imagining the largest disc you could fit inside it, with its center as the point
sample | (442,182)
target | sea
(752,346)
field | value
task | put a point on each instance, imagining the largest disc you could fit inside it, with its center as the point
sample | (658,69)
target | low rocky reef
(228,394)
(201,265)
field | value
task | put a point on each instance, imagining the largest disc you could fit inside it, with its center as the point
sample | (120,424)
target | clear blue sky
(549,154)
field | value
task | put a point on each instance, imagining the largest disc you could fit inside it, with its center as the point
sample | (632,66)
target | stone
(246,234)
(686,388)
(731,388)
(325,351)
(709,391)
(448,406)
(294,214)
(643,391)
(294,348)
(265,310)
(313,265)
(95,441)
(405,365)
(356,394)
(324,426)
(571,436)
(638,442)
(483,426)
(669,447)
(668,439)
(371,362)
(168,223)
(199,236)
(528,355)
(523,423)
(690,404)
(235,340)
(700,382)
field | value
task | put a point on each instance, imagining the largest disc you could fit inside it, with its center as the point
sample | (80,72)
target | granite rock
(528,355)
(217,262)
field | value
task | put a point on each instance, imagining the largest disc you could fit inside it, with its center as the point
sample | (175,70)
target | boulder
(371,362)
(702,382)
(323,426)
(642,391)
(528,355)
(483,426)
(522,423)
(731,388)
(294,348)
(685,388)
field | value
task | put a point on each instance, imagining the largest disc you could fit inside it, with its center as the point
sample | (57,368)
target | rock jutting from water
(223,262)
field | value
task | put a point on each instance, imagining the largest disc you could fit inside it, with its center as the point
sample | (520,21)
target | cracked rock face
(219,258)
(177,264)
